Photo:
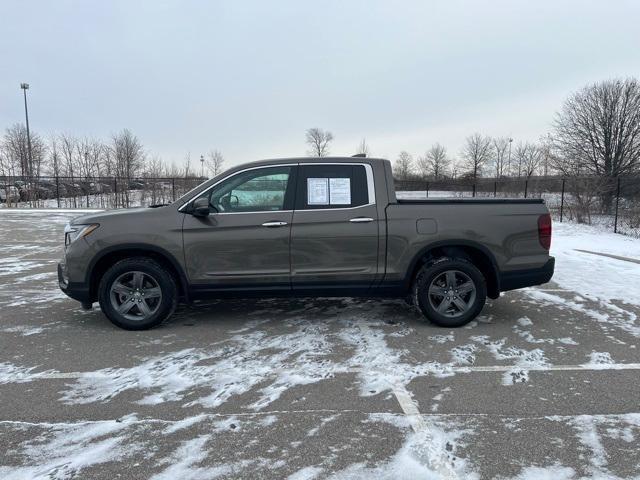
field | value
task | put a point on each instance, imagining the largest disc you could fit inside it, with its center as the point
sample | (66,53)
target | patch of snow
(524,322)
(599,360)
(67,449)
(306,473)
(602,277)
(183,464)
(623,319)
(51,210)
(420,457)
(442,338)
(522,359)
(323,422)
(10,373)
(554,472)
(23,330)
(185,423)
(464,354)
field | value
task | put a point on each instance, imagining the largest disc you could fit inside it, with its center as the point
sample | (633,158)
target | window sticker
(317,191)
(340,191)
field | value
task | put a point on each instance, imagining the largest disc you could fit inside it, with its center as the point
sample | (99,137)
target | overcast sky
(248,78)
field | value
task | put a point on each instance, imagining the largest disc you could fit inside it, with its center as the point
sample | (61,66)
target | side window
(259,190)
(331,186)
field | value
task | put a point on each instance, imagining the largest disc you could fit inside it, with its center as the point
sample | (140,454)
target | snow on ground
(599,277)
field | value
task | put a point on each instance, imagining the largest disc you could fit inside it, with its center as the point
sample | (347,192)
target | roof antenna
(359,155)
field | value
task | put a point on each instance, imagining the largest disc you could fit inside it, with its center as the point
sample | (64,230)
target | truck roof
(311,160)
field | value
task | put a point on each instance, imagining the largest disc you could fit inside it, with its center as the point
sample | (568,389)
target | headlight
(74,232)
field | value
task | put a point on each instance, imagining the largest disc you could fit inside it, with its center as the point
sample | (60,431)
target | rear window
(331,186)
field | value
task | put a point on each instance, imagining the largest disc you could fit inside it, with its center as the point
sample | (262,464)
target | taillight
(544,231)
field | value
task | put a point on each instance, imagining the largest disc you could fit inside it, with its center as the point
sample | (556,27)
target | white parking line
(437,460)
(53,375)
(546,368)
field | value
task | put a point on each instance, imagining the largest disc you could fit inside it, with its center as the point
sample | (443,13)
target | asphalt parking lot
(544,383)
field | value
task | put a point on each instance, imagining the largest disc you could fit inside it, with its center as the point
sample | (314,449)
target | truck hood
(106,216)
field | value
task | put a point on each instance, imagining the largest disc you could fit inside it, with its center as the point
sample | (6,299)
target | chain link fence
(94,192)
(612,203)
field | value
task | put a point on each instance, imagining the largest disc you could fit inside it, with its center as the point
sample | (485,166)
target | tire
(137,294)
(438,299)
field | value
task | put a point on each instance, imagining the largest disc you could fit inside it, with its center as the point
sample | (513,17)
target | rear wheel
(450,292)
(137,294)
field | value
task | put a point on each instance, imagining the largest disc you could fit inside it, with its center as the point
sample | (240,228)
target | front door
(244,243)
(334,238)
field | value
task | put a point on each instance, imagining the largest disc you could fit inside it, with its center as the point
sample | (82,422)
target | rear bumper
(527,278)
(77,291)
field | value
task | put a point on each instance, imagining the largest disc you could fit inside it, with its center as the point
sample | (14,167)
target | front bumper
(527,278)
(77,291)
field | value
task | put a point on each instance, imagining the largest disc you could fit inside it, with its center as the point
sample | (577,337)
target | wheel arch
(476,253)
(109,256)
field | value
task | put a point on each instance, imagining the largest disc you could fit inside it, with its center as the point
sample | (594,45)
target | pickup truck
(306,227)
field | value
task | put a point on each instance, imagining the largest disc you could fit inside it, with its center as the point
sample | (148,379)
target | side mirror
(201,207)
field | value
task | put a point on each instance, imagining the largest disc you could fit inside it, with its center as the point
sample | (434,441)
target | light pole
(29,169)
(202,166)
(509,161)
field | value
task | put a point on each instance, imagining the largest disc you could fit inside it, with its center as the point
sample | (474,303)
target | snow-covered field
(543,385)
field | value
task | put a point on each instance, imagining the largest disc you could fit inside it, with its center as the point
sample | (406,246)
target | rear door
(334,237)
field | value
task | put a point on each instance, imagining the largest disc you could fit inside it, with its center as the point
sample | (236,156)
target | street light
(509,161)
(202,164)
(25,87)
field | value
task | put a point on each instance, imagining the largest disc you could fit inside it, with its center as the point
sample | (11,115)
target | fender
(453,243)
(143,247)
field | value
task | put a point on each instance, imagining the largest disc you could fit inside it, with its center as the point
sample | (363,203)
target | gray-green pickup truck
(306,227)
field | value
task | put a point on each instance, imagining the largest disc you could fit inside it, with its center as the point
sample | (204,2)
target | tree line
(595,133)
(122,155)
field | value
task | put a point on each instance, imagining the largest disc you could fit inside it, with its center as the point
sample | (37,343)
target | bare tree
(476,153)
(15,147)
(422,166)
(597,130)
(215,162)
(438,161)
(90,156)
(68,152)
(155,167)
(15,150)
(403,166)
(54,162)
(500,156)
(363,148)
(318,141)
(187,166)
(529,158)
(129,154)
(547,152)
(129,158)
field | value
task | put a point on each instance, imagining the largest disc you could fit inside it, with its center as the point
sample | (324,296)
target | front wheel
(450,291)
(137,294)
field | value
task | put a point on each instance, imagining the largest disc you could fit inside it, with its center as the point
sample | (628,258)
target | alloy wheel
(452,293)
(135,295)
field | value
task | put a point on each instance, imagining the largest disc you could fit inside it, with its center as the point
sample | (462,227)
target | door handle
(361,220)
(274,224)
